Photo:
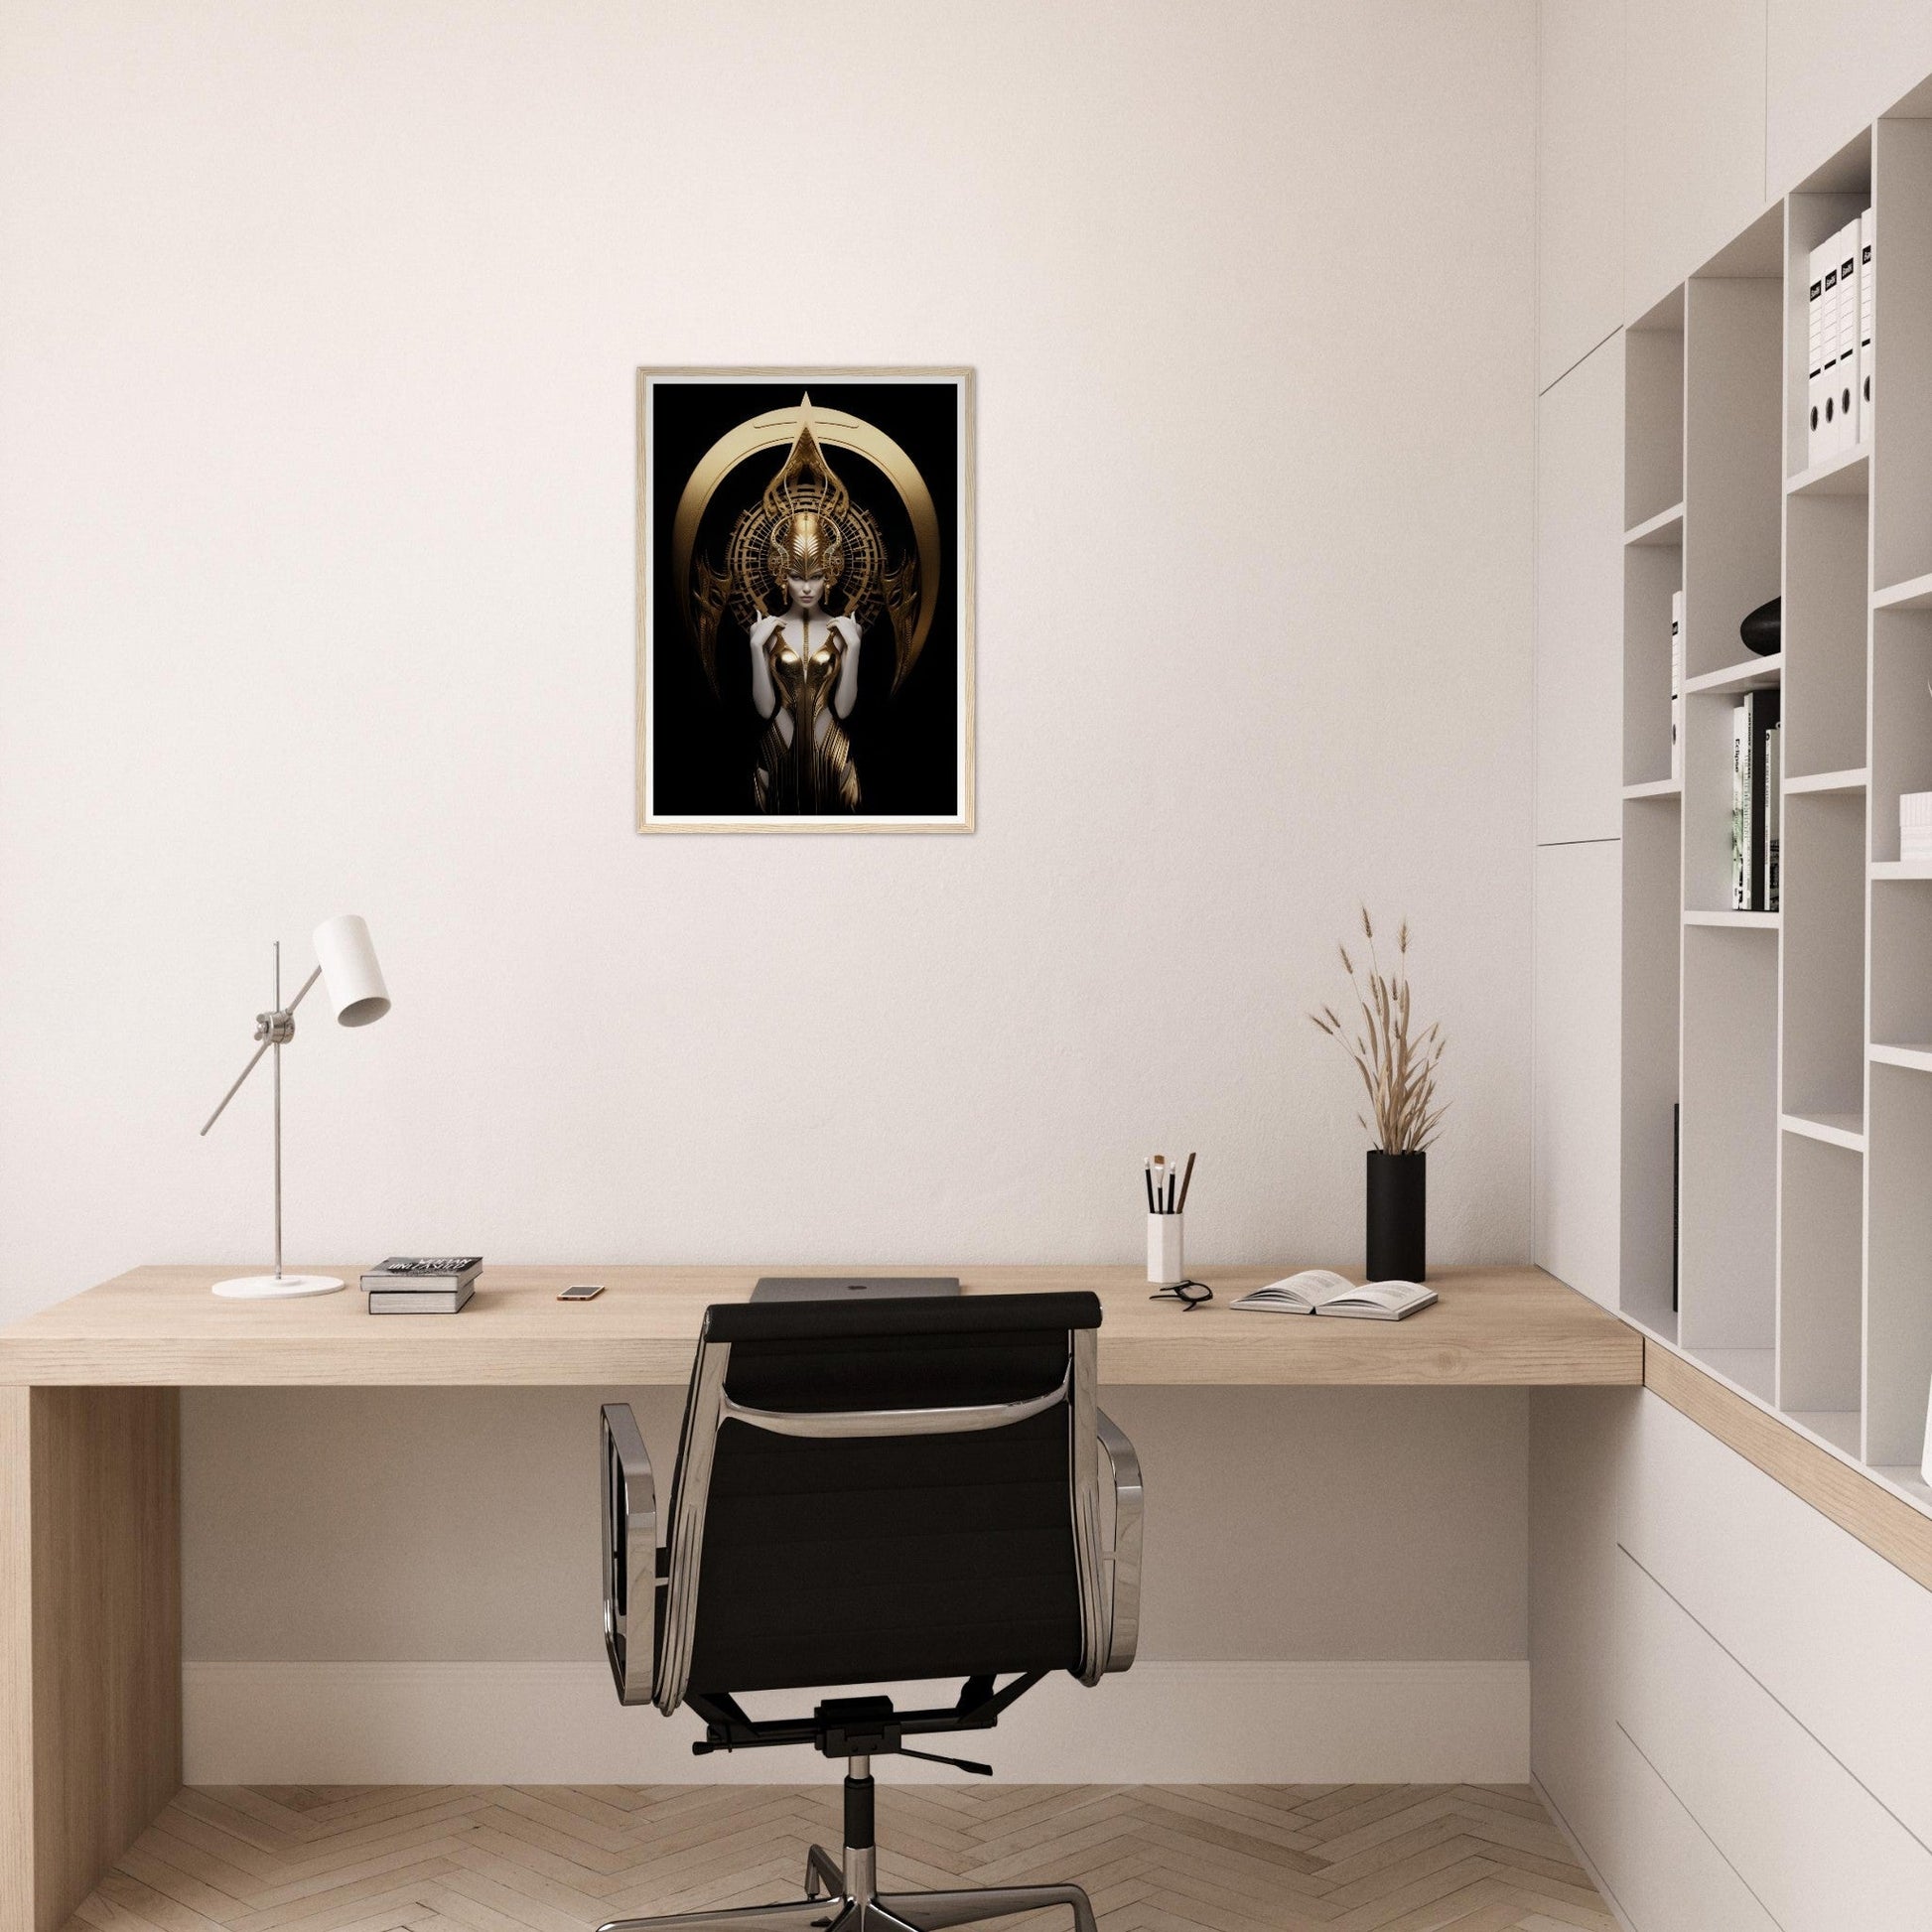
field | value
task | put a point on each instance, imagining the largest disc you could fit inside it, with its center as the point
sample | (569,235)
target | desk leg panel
(90,1637)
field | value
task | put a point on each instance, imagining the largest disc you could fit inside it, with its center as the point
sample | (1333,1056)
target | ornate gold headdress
(805,545)
(806,518)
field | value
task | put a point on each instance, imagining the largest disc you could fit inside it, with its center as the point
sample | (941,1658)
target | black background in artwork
(905,747)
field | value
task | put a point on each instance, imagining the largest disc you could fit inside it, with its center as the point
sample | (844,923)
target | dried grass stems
(1398,1065)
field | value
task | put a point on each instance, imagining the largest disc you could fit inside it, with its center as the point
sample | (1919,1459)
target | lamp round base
(275,1288)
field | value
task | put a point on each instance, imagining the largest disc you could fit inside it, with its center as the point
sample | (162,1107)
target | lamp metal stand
(273,1030)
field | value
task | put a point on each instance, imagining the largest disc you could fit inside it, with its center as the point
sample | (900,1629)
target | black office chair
(867,1494)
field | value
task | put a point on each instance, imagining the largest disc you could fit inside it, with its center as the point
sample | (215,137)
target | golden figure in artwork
(805,677)
(806,575)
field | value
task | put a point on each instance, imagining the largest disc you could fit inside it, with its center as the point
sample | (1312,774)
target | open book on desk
(1321,1291)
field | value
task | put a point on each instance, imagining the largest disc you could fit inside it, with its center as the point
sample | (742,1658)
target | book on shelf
(1754,817)
(1740,811)
(1677,686)
(1321,1291)
(1773,809)
(420,1301)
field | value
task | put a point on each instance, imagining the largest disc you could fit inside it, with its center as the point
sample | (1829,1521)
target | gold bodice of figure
(814,773)
(804,683)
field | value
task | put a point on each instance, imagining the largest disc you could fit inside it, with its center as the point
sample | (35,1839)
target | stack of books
(421,1284)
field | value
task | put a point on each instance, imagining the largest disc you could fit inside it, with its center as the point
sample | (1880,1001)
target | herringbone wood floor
(558,1859)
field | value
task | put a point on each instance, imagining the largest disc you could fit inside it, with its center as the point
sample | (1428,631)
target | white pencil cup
(1164,1265)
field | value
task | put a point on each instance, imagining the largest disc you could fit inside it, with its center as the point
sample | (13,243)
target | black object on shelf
(1763,631)
(1398,1215)
(1676,1193)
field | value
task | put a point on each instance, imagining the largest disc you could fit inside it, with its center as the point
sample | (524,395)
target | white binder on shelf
(1867,300)
(1815,357)
(1828,420)
(1847,336)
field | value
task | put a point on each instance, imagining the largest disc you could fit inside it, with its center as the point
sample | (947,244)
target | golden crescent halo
(834,428)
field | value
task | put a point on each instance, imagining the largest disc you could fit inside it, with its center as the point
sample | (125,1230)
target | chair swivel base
(843,1901)
(845,1907)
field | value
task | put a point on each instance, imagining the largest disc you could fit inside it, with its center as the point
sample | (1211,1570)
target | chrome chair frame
(841,1894)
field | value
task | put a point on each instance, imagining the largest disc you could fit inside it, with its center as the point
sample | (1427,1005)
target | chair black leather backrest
(871,1558)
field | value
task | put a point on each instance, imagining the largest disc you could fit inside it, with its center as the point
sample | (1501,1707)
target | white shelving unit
(1797,1043)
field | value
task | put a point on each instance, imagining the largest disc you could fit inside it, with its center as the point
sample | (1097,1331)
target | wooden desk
(161,1326)
(89,1460)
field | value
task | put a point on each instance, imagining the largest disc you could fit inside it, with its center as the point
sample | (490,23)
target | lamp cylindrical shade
(349,975)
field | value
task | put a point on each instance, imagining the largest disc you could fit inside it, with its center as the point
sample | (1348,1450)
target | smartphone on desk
(582,1291)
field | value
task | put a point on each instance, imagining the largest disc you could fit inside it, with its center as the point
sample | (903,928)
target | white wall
(316,498)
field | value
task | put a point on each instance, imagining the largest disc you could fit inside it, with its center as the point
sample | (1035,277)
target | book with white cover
(1321,1291)
(1740,809)
(1847,368)
(1867,301)
(1815,357)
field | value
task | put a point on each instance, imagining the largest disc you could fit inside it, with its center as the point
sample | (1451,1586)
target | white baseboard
(561,1723)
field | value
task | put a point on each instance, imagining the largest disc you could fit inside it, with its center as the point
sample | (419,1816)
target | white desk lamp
(346,965)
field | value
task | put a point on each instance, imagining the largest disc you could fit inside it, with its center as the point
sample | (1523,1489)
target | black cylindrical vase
(1398,1215)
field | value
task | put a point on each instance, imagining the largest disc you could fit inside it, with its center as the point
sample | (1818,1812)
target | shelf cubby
(1837,194)
(1822,917)
(1901,963)
(1901,718)
(1821,1240)
(1651,574)
(1653,418)
(1826,612)
(1707,730)
(1899,1291)
(1733,475)
(1729,1221)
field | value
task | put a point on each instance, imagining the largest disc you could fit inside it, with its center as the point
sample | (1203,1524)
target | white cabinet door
(1817,1851)
(1574,1111)
(1663,1870)
(1580,179)
(1579,751)
(1840,1638)
(1693,137)
(1833,67)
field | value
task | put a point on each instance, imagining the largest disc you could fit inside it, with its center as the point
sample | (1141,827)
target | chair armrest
(1124,1559)
(630,1555)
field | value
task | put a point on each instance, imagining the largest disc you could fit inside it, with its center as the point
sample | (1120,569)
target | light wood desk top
(160,1326)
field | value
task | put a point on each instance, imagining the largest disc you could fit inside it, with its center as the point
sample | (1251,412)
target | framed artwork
(804,600)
